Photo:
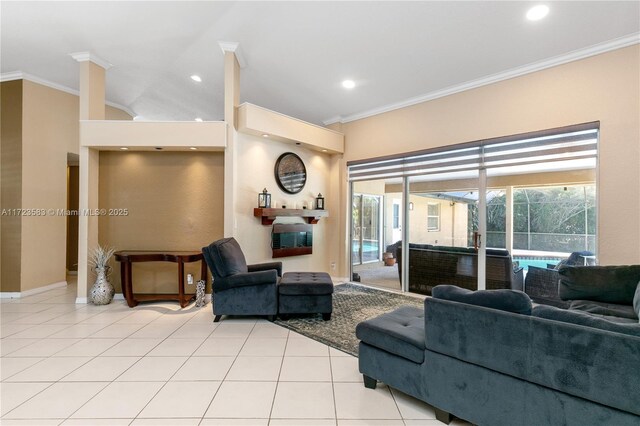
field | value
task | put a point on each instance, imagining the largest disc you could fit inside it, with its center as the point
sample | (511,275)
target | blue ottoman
(305,293)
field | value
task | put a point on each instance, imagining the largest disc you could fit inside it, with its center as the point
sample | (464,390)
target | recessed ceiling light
(193,148)
(537,12)
(124,148)
(348,84)
(264,135)
(196,78)
(199,120)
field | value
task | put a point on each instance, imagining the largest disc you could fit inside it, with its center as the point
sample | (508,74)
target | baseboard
(31,292)
(118,296)
(10,295)
(81,300)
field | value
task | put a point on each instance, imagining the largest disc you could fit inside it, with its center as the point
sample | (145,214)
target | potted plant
(388,258)
(102,291)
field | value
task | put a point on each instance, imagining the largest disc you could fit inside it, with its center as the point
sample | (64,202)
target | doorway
(73,193)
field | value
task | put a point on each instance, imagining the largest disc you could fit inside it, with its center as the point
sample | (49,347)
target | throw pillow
(505,300)
(636,302)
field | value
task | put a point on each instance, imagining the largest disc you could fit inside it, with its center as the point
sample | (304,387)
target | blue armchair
(238,288)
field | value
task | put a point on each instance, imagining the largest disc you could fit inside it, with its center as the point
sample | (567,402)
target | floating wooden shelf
(269,215)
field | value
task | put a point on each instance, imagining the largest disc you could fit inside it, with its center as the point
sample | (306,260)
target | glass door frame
(379,227)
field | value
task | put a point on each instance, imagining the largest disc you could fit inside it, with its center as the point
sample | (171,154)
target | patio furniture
(238,288)
(430,266)
(305,293)
(541,284)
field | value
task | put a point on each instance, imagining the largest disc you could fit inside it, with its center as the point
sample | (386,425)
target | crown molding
(575,55)
(88,56)
(234,47)
(19,75)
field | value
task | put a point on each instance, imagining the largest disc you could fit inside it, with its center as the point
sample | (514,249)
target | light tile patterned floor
(157,364)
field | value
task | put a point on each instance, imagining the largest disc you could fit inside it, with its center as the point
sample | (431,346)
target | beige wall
(10,184)
(49,126)
(256,158)
(50,130)
(175,203)
(602,88)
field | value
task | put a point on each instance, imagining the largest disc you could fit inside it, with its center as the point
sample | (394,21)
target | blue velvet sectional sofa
(491,358)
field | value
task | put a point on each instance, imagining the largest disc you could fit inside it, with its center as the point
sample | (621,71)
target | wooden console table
(180,257)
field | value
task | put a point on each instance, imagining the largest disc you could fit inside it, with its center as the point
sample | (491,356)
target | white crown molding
(88,56)
(231,46)
(576,55)
(19,75)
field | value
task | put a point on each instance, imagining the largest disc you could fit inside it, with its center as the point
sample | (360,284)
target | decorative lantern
(264,199)
(320,202)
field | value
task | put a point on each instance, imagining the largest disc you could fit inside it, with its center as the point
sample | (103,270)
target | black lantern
(264,199)
(320,202)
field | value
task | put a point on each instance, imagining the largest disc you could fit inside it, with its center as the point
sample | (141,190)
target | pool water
(537,262)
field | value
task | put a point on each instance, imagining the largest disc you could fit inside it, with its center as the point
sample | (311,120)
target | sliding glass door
(366,228)
(467,215)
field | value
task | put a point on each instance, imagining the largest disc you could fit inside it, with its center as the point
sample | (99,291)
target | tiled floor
(157,364)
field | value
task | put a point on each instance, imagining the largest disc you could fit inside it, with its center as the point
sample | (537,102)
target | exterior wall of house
(10,184)
(174,201)
(601,88)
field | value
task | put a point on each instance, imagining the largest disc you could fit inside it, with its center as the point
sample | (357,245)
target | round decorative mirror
(291,174)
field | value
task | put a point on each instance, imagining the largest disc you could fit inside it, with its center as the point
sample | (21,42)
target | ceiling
(297,53)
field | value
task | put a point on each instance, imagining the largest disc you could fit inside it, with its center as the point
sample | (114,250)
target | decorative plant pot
(390,261)
(102,291)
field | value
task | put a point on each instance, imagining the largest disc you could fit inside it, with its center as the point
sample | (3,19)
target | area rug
(352,304)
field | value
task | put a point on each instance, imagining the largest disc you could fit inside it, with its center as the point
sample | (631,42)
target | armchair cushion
(505,300)
(266,266)
(228,258)
(246,279)
(609,284)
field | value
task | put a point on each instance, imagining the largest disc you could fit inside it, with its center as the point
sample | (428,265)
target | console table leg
(127,286)
(183,302)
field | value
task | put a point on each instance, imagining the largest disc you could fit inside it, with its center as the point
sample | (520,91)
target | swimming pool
(539,262)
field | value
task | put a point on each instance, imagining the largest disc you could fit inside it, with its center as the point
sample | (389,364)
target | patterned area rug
(352,304)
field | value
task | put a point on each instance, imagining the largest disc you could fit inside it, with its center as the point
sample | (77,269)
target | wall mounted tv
(291,239)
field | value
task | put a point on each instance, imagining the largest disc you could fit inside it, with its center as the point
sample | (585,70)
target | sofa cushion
(228,258)
(586,319)
(610,284)
(505,300)
(400,332)
(636,302)
(601,308)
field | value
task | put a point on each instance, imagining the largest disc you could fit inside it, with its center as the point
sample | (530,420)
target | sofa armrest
(266,266)
(246,279)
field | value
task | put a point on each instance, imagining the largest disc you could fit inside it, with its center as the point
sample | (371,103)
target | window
(396,216)
(433,217)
